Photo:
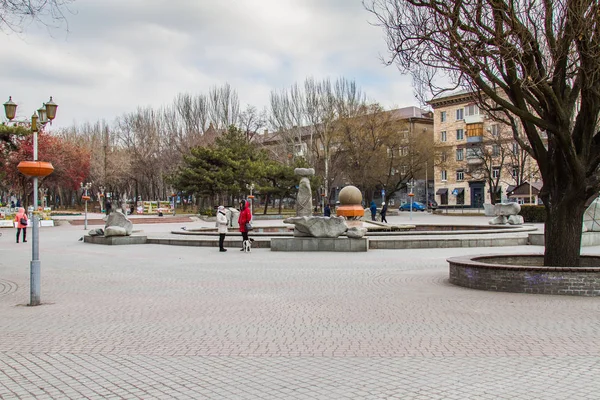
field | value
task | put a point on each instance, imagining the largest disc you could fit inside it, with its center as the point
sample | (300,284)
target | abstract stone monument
(117,224)
(319,227)
(507,213)
(304,205)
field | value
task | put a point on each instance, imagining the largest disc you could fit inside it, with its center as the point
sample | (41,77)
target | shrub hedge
(533,213)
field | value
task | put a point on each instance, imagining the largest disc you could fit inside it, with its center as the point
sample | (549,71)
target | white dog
(246,246)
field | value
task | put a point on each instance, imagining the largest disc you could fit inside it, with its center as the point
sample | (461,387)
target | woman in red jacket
(20,217)
(245,217)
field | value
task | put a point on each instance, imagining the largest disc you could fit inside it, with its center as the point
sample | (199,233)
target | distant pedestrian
(22,221)
(383,212)
(108,207)
(373,208)
(244,218)
(222,226)
(327,211)
(18,203)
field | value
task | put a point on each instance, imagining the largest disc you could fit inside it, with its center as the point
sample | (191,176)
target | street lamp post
(34,169)
(85,198)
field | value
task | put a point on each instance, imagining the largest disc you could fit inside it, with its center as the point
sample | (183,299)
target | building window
(444,175)
(495,150)
(515,148)
(471,110)
(460,175)
(494,129)
(404,170)
(459,154)
(460,114)
(443,138)
(515,173)
(443,116)
(444,156)
(460,134)
(495,172)
(404,151)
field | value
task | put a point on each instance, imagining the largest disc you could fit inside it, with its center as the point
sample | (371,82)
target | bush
(533,213)
(208,212)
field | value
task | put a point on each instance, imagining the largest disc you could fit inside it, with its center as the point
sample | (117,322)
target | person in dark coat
(327,211)
(383,212)
(373,208)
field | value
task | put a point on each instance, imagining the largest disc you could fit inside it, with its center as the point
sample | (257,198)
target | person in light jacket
(21,215)
(245,217)
(222,226)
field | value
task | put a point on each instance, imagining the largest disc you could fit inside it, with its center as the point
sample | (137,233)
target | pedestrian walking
(327,211)
(22,220)
(373,208)
(222,226)
(244,221)
(383,212)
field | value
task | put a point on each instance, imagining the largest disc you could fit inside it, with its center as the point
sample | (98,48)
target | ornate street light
(34,169)
(85,197)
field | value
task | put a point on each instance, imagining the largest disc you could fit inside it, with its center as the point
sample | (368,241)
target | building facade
(477,158)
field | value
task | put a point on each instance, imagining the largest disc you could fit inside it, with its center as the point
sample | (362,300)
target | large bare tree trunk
(564,221)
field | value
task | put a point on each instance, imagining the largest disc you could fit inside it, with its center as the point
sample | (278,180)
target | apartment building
(470,147)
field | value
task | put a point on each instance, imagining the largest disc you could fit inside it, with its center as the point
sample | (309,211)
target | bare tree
(16,14)
(537,62)
(308,116)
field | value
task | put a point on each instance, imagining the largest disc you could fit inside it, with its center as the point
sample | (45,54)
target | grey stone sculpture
(319,227)
(506,213)
(96,232)
(118,219)
(304,198)
(115,231)
(356,232)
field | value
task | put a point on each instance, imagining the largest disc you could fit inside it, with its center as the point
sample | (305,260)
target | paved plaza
(160,322)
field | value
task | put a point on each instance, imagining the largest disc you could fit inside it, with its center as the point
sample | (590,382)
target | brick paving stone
(154,322)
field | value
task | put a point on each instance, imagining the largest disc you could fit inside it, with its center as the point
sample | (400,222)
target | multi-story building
(476,155)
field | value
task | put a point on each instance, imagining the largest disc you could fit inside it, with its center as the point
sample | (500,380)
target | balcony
(474,139)
(474,161)
(474,119)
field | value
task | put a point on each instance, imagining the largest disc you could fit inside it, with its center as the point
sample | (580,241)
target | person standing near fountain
(244,218)
(373,208)
(383,212)
(222,227)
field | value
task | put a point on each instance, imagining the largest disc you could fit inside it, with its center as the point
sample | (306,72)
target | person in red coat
(21,215)
(245,217)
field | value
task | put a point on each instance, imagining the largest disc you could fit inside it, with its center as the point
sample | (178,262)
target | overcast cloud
(122,54)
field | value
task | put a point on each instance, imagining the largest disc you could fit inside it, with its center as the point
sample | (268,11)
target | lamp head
(51,109)
(34,122)
(10,109)
(43,118)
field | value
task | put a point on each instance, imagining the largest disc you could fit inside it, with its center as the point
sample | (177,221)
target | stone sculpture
(506,213)
(117,224)
(304,207)
(356,232)
(319,227)
(591,217)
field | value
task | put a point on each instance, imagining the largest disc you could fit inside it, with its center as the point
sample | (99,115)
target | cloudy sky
(118,55)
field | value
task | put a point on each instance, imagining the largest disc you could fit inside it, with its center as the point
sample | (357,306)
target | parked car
(432,205)
(416,206)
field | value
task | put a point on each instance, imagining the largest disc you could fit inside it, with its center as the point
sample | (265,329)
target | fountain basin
(525,273)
